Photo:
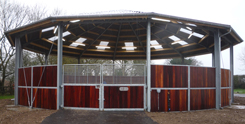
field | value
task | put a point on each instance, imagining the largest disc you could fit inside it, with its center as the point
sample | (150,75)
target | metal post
(232,73)
(59,65)
(78,60)
(148,56)
(182,60)
(217,49)
(213,60)
(17,65)
(189,88)
(46,59)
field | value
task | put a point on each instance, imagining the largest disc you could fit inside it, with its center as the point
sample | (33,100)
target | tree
(11,16)
(187,61)
(242,57)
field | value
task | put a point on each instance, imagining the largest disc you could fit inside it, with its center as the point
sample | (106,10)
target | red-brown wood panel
(169,76)
(81,96)
(45,98)
(133,98)
(154,101)
(163,101)
(202,77)
(49,77)
(23,96)
(225,97)
(24,78)
(202,99)
(178,100)
(225,78)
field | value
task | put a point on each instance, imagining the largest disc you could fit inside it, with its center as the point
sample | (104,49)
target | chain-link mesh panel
(82,74)
(123,74)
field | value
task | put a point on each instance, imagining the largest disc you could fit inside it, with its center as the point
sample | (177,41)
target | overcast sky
(231,12)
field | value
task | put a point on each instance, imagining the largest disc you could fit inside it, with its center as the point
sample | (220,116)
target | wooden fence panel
(202,77)
(225,97)
(133,98)
(45,98)
(81,96)
(225,78)
(169,76)
(24,78)
(202,99)
(23,96)
(49,77)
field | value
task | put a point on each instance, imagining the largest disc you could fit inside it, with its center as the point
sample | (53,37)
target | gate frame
(73,84)
(123,109)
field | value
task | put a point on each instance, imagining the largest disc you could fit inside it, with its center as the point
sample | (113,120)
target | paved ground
(239,95)
(97,117)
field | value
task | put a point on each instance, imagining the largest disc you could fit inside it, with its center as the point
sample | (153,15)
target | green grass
(7,97)
(240,91)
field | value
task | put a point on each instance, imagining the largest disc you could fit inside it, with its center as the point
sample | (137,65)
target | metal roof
(123,36)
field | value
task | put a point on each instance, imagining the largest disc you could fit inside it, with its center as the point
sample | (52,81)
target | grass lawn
(240,91)
(6,96)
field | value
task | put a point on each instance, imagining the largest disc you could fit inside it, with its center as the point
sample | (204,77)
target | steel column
(59,65)
(213,60)
(217,49)
(232,72)
(17,65)
(189,88)
(46,59)
(148,56)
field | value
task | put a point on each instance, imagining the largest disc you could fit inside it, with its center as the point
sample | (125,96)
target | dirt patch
(225,116)
(20,114)
(240,100)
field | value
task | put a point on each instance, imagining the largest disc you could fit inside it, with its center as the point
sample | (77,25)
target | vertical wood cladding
(45,98)
(202,77)
(177,100)
(202,99)
(169,76)
(133,98)
(81,96)
(49,77)
(24,78)
(23,96)
(225,78)
(225,97)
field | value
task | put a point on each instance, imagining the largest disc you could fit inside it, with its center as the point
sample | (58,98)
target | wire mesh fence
(123,74)
(82,74)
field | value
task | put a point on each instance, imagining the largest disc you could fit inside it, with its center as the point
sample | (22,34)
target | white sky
(231,12)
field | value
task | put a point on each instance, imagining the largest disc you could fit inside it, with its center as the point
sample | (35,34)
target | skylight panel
(181,42)
(74,21)
(75,44)
(156,45)
(48,29)
(129,46)
(53,38)
(191,24)
(103,45)
(185,31)
(66,33)
(198,35)
(174,38)
(159,19)
(81,40)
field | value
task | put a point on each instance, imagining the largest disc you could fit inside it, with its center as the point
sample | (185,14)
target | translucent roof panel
(81,40)
(129,46)
(66,33)
(174,38)
(103,45)
(48,29)
(156,45)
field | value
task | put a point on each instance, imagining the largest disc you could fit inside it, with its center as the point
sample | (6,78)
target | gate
(81,86)
(104,87)
(123,87)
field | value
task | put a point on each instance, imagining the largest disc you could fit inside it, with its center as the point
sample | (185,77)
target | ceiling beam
(137,38)
(119,30)
(94,40)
